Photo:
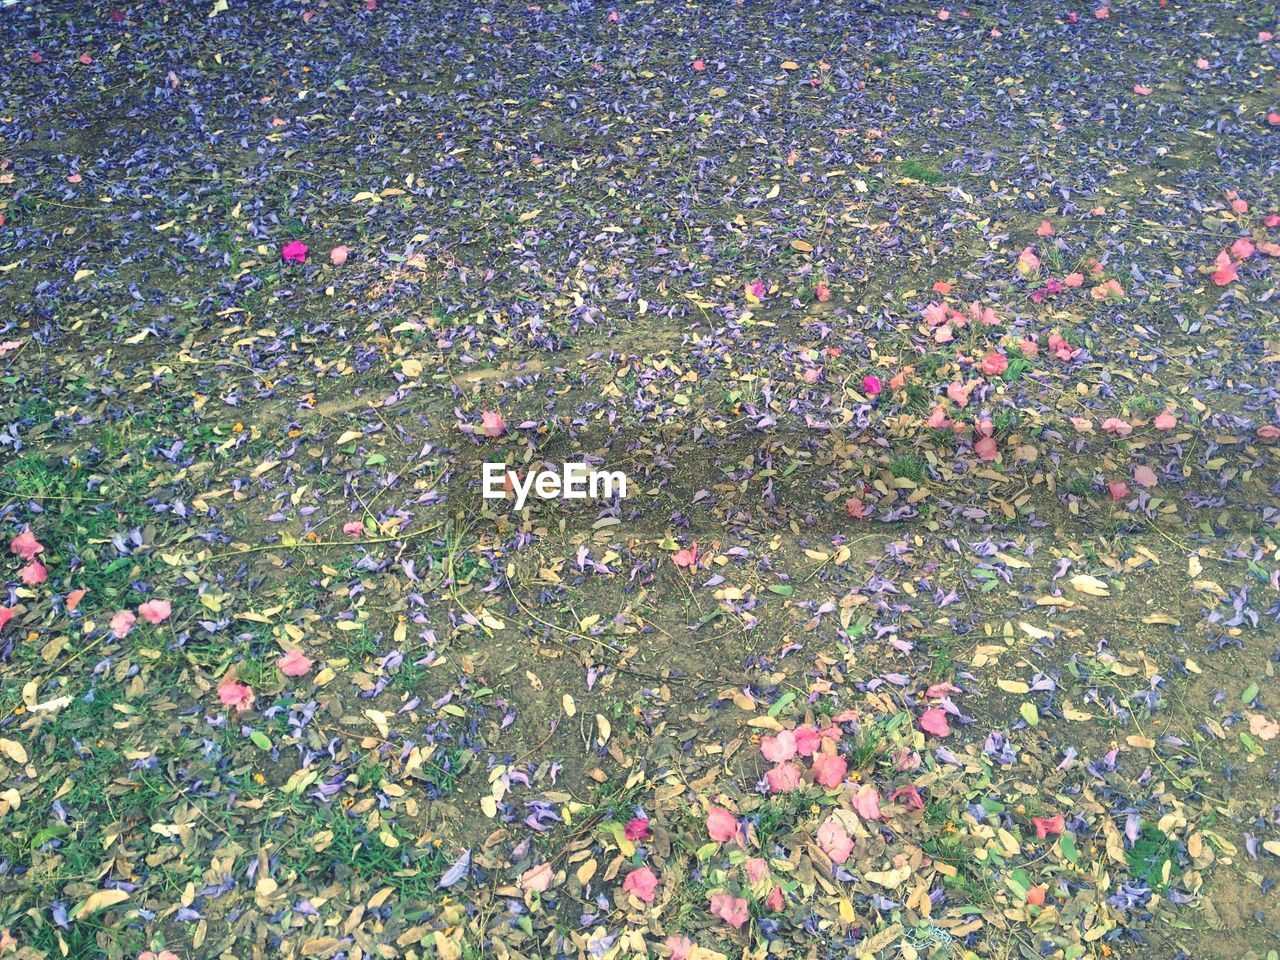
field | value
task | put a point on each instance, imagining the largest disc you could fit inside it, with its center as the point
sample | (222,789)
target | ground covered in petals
(938,346)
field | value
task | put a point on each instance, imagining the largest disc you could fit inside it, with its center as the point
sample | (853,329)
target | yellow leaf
(100,901)
(1083,583)
(13,750)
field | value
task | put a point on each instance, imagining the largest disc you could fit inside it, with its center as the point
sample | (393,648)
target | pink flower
(1242,249)
(1273,220)
(641,882)
(822,292)
(1102,13)
(935,314)
(687,558)
(871,385)
(959,392)
(1073,280)
(1202,63)
(1141,91)
(1240,206)
(983,315)
(155,611)
(757,872)
(1047,826)
(783,778)
(1028,347)
(680,947)
(807,740)
(1269,432)
(1117,427)
(994,363)
(866,802)
(338,255)
(778,748)
(938,419)
(1145,476)
(25,545)
(756,289)
(6,614)
(492,424)
(775,900)
(1118,490)
(730,909)
(829,770)
(1165,421)
(162,955)
(1059,347)
(1028,262)
(722,826)
(944,14)
(856,508)
(353,528)
(236,695)
(613,16)
(33,573)
(295,251)
(636,829)
(1110,290)
(1226,270)
(122,623)
(835,840)
(537,879)
(909,797)
(986,449)
(294,663)
(1045,229)
(699,66)
(934,720)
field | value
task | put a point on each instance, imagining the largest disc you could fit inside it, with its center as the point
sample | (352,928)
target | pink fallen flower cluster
(154,612)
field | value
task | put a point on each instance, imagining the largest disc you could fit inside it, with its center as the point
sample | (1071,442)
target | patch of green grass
(907,467)
(919,171)
(1147,857)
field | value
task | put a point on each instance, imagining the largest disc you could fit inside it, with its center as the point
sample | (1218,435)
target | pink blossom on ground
(934,720)
(777,748)
(730,909)
(641,883)
(835,840)
(866,802)
(25,545)
(33,573)
(295,251)
(829,770)
(722,826)
(807,740)
(1048,826)
(238,696)
(492,424)
(783,778)
(122,623)
(155,611)
(294,664)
